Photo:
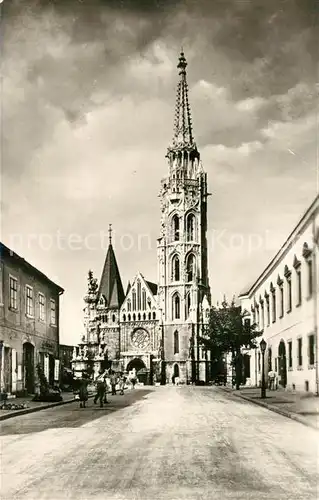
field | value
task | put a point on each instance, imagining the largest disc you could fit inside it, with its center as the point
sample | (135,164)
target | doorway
(28,362)
(282,364)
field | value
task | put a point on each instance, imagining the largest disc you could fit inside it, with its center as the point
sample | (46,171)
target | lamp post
(263,345)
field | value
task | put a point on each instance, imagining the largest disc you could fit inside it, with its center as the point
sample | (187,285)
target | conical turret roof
(111,287)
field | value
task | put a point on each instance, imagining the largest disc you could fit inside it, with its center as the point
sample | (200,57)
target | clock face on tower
(140,338)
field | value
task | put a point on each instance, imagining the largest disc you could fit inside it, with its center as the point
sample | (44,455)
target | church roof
(152,287)
(110,284)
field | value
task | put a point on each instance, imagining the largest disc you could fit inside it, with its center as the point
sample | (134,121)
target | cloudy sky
(88,100)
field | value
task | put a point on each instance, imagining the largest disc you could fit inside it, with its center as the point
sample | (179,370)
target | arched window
(190,268)
(129,317)
(176,342)
(134,300)
(143,299)
(129,305)
(144,316)
(188,305)
(149,303)
(175,268)
(154,315)
(175,224)
(139,316)
(139,298)
(134,317)
(190,227)
(149,315)
(113,318)
(176,313)
(124,317)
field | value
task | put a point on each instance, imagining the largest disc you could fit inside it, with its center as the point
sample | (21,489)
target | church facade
(154,329)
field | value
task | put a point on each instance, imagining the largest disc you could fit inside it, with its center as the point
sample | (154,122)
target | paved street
(162,443)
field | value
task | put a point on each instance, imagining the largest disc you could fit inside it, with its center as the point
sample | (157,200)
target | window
(311,349)
(13,293)
(41,307)
(281,298)
(176,342)
(269,359)
(175,222)
(188,305)
(257,315)
(149,303)
(298,279)
(52,312)
(299,354)
(124,317)
(175,268)
(262,312)
(154,315)
(143,299)
(289,293)
(113,318)
(190,268)
(134,300)
(268,310)
(139,297)
(176,306)
(310,282)
(129,305)
(190,227)
(29,307)
(290,354)
(273,304)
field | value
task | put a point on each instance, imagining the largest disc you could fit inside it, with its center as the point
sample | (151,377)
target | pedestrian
(271,378)
(100,392)
(113,383)
(83,393)
(121,384)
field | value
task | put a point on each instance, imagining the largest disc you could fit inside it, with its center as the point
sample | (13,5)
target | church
(153,329)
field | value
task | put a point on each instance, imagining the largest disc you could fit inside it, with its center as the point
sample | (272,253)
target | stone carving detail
(140,338)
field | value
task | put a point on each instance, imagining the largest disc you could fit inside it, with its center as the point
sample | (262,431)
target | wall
(298,323)
(17,329)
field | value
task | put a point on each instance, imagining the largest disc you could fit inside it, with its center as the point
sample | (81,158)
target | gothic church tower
(183,293)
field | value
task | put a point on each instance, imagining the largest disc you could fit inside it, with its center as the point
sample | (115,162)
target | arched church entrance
(28,362)
(282,364)
(141,371)
(175,372)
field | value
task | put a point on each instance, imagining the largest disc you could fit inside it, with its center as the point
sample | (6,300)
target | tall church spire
(111,287)
(183,131)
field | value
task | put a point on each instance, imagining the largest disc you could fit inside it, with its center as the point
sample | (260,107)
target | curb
(287,414)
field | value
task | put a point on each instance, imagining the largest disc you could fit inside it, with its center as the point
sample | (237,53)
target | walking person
(83,393)
(271,378)
(121,384)
(113,383)
(100,392)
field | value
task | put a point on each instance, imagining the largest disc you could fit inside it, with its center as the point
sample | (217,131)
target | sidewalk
(32,406)
(298,406)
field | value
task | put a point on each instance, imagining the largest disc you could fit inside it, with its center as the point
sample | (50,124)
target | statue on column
(85,351)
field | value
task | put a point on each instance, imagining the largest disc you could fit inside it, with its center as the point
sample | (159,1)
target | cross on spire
(110,233)
(183,131)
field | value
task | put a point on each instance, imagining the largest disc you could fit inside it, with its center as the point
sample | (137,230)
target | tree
(227,332)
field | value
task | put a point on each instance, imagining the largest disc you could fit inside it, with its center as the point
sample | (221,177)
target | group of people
(104,381)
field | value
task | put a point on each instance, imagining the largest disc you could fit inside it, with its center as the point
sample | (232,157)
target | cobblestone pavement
(173,443)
